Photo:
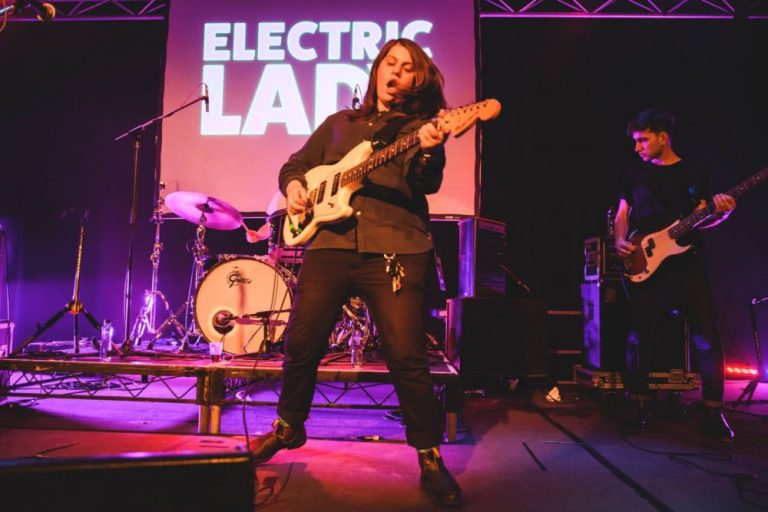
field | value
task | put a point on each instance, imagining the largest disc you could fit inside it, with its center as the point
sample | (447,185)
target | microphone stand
(137,132)
(762,375)
(75,306)
(519,282)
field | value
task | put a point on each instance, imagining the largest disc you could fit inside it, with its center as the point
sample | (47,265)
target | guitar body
(653,249)
(331,207)
(330,187)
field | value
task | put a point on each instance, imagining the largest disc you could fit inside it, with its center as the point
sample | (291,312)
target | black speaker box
(606,327)
(131,482)
(604,308)
(498,336)
(470,252)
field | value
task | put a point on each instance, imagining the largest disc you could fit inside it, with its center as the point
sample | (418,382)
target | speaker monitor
(135,482)
(606,327)
(498,336)
(470,250)
(605,324)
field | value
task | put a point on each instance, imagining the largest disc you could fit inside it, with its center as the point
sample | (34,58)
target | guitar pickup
(650,247)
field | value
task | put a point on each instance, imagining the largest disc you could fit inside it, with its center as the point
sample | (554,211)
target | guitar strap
(387,134)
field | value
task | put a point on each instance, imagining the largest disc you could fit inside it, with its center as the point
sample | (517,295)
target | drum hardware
(75,306)
(206,212)
(224,322)
(146,319)
(244,302)
(277,249)
(355,332)
(137,132)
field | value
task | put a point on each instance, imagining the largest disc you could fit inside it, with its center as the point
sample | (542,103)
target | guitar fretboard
(380,157)
(690,222)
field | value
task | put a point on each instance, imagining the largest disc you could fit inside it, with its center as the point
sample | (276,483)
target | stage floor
(516,451)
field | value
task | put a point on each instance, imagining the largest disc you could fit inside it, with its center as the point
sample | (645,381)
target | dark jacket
(391,211)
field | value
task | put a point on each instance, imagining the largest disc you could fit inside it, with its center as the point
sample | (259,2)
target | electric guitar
(654,248)
(330,187)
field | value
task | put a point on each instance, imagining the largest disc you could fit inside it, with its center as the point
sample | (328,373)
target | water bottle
(106,339)
(356,347)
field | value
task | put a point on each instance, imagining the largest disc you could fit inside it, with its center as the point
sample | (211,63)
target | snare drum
(244,302)
(278,250)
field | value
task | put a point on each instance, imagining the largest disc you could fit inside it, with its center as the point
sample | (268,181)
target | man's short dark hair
(656,118)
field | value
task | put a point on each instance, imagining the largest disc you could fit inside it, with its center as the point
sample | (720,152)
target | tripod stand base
(749,392)
(38,347)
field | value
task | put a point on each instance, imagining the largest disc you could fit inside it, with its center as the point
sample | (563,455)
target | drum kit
(244,301)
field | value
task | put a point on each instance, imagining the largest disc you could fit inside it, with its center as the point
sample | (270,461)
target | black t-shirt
(661,194)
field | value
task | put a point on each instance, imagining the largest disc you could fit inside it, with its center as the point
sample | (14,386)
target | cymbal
(191,205)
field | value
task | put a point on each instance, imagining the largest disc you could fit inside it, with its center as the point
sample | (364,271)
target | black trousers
(327,279)
(682,283)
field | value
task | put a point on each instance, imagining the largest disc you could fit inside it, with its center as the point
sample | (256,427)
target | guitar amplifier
(601,261)
(470,251)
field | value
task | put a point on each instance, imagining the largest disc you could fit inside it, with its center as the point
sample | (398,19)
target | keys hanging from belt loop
(395,270)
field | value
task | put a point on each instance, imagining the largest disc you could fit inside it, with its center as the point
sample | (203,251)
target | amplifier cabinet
(498,336)
(601,261)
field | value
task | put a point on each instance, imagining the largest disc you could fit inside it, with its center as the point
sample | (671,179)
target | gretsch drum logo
(234,278)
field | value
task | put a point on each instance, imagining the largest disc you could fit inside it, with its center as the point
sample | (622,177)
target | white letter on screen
(294,41)
(215,40)
(334,29)
(328,78)
(239,50)
(214,122)
(418,27)
(393,28)
(268,40)
(277,100)
(365,36)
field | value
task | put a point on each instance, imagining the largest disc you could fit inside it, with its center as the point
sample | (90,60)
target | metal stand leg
(189,328)
(762,374)
(145,321)
(73,307)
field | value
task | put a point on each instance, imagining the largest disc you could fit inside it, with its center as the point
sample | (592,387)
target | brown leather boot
(265,446)
(436,479)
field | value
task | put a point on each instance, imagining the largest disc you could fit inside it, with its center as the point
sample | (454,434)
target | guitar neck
(379,158)
(689,223)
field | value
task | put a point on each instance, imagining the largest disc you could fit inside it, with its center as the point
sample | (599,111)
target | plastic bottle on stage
(106,339)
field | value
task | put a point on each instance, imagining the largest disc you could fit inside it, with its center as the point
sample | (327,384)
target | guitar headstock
(461,119)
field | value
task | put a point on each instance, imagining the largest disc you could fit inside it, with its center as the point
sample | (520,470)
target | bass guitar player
(657,192)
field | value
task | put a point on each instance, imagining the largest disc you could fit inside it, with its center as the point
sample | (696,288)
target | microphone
(223,322)
(74,211)
(205,97)
(44,11)
(356,97)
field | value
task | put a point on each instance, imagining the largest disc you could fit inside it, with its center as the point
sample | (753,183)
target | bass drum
(244,303)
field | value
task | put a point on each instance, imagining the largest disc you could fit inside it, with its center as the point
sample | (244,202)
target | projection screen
(275,70)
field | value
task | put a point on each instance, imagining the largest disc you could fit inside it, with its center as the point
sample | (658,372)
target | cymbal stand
(136,132)
(146,319)
(75,306)
(189,328)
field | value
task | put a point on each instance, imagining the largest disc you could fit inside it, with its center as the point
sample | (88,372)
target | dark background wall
(550,161)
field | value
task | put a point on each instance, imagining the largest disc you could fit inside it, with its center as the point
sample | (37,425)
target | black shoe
(436,479)
(640,419)
(713,424)
(265,446)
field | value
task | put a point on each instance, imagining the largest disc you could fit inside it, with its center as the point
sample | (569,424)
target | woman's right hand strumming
(295,197)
